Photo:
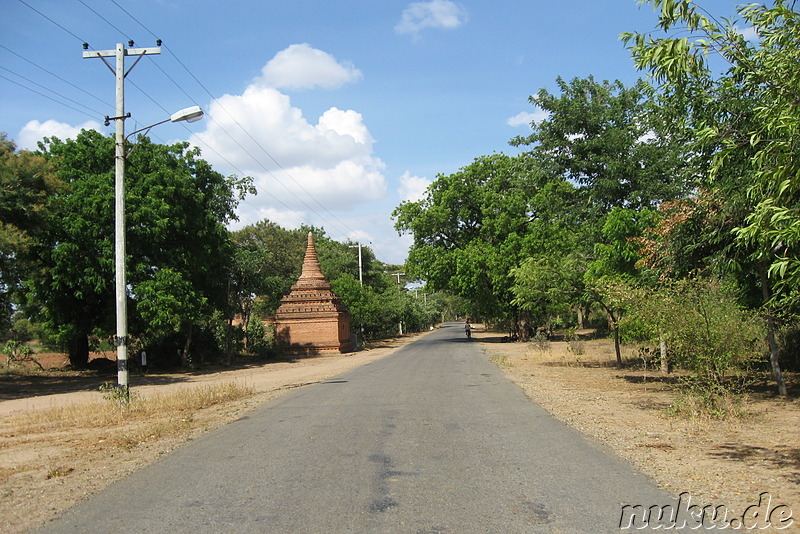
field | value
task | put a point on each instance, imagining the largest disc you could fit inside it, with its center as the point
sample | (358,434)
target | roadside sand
(716,462)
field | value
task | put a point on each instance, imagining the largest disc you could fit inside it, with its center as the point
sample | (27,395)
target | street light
(190,114)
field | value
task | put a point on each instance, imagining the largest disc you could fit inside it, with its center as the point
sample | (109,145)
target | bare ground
(730,462)
(718,462)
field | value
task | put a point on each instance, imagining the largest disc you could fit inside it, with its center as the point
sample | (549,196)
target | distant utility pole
(360,276)
(119,190)
(398,275)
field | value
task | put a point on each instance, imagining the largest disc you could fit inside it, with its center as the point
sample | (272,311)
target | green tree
(267,262)
(26,181)
(612,141)
(615,154)
(469,232)
(177,208)
(756,125)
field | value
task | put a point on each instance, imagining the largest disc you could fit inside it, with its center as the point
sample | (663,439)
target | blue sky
(339,109)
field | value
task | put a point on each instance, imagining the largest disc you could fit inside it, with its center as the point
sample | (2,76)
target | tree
(615,152)
(610,140)
(696,318)
(267,262)
(469,232)
(177,208)
(763,135)
(26,181)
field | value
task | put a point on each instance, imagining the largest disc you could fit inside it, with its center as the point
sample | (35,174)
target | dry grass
(150,412)
(727,460)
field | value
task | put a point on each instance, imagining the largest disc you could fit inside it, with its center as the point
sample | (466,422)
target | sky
(340,110)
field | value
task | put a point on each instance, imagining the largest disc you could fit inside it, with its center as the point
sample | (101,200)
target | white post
(360,276)
(119,224)
(119,54)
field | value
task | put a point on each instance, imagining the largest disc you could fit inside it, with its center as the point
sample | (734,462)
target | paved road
(431,439)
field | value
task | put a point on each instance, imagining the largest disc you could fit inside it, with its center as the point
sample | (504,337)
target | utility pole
(398,275)
(360,276)
(119,191)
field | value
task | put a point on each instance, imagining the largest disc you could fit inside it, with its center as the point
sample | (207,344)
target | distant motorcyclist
(468,329)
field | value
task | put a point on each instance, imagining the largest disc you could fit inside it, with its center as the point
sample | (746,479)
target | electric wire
(207,146)
(245,150)
(87,6)
(48,89)
(46,96)
(134,18)
(74,86)
(129,81)
(210,148)
(259,145)
(51,20)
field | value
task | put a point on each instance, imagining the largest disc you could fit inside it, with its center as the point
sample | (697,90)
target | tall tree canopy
(26,182)
(754,129)
(501,231)
(178,247)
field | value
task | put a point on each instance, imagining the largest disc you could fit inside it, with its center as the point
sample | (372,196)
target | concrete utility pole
(119,191)
(360,276)
(398,275)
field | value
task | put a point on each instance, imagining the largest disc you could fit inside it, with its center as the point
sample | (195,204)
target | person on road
(468,329)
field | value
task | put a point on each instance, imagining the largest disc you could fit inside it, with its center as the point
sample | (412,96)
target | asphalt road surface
(432,439)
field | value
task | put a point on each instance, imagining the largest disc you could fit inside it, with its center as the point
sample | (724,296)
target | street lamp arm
(145,129)
(190,114)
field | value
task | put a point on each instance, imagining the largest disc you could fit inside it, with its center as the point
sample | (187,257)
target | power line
(46,96)
(104,19)
(47,89)
(342,227)
(79,88)
(242,128)
(259,145)
(51,20)
(134,18)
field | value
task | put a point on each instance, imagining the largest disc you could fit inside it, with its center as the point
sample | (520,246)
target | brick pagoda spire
(311,318)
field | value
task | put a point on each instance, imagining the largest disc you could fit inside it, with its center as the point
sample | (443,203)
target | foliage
(612,141)
(747,113)
(19,353)
(470,231)
(706,330)
(524,238)
(176,210)
(26,181)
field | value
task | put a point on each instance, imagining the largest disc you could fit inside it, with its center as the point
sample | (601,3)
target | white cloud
(303,171)
(412,188)
(302,67)
(434,14)
(750,34)
(525,118)
(34,131)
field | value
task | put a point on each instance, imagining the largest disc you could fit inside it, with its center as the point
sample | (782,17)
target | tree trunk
(524,326)
(229,343)
(612,323)
(662,345)
(616,346)
(773,345)
(79,351)
(187,348)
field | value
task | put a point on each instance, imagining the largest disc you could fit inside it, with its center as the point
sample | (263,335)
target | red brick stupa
(312,319)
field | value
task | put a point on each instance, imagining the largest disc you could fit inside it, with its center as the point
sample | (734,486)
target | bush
(706,331)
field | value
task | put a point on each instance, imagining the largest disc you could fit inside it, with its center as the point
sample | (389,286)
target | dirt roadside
(43,472)
(728,463)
